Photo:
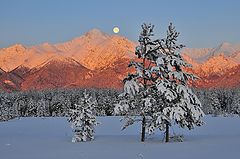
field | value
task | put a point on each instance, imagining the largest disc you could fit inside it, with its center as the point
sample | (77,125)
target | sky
(202,23)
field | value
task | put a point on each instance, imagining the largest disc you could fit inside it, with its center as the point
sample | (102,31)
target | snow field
(50,138)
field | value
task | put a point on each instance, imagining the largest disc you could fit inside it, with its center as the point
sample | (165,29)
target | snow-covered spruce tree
(31,108)
(214,103)
(7,108)
(83,119)
(221,101)
(3,109)
(158,91)
(236,102)
(41,108)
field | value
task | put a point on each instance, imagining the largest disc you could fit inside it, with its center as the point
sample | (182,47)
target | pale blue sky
(202,23)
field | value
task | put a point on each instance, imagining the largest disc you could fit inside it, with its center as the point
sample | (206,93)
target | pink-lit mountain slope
(100,60)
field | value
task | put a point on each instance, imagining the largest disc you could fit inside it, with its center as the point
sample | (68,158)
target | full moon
(116,30)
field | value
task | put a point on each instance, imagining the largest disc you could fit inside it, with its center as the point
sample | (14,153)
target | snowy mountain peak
(224,48)
(15,48)
(218,64)
(96,33)
(225,44)
(59,59)
(46,44)
(46,47)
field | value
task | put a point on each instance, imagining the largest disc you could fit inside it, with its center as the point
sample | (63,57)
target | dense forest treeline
(58,102)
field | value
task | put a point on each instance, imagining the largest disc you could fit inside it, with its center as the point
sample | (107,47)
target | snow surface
(50,138)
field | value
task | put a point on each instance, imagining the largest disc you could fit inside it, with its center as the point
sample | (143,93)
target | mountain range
(99,60)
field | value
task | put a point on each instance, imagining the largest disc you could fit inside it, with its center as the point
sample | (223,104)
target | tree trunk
(143,129)
(167,133)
